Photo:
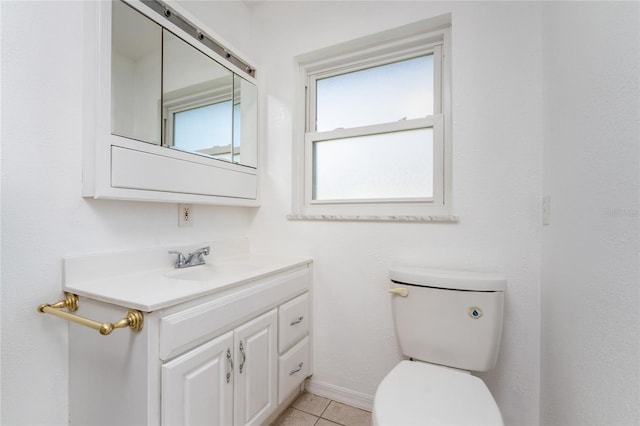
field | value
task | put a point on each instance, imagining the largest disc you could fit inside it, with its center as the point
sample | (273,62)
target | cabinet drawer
(293,321)
(293,368)
(177,176)
(188,328)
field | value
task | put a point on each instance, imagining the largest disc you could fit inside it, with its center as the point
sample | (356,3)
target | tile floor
(310,410)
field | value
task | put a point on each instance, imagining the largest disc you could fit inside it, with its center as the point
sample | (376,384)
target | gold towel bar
(133,320)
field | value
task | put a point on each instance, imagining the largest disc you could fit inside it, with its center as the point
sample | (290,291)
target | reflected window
(197,100)
(195,128)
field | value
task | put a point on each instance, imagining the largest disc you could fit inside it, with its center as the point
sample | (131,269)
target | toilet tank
(451,318)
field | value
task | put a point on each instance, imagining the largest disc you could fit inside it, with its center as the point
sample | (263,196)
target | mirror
(136,54)
(245,122)
(166,92)
(196,101)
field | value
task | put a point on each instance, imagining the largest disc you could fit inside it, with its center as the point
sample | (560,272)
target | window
(375,137)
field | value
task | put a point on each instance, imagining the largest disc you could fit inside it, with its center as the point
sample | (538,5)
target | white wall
(44,216)
(590,321)
(497,188)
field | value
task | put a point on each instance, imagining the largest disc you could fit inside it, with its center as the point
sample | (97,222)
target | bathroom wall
(497,183)
(590,300)
(44,216)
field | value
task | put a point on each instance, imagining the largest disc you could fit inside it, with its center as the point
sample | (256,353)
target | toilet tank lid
(448,279)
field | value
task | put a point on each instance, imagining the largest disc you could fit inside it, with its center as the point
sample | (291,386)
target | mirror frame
(112,164)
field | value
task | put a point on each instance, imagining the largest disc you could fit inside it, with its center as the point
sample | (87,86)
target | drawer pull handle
(244,357)
(229,358)
(298,321)
(292,372)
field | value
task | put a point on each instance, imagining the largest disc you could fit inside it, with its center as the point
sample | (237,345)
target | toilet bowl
(448,323)
(419,393)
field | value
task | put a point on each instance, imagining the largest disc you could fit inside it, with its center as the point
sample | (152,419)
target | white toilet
(448,323)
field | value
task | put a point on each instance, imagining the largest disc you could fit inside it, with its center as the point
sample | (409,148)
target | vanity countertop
(147,280)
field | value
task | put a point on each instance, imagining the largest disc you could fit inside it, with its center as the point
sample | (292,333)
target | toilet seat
(418,393)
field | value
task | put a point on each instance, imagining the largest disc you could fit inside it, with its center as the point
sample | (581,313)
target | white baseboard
(340,394)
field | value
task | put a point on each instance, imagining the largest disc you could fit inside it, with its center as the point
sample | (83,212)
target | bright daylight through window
(351,168)
(376,129)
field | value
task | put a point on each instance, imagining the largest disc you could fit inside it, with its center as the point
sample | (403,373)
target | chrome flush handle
(400,291)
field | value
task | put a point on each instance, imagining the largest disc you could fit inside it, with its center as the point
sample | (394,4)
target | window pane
(197,129)
(382,94)
(389,165)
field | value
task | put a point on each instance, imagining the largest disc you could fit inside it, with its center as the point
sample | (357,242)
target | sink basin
(210,272)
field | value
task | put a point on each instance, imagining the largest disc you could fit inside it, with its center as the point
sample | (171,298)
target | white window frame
(388,47)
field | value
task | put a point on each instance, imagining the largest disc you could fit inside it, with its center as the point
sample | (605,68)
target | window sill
(377,218)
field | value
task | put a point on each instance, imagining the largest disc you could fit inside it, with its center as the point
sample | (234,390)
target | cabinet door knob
(298,321)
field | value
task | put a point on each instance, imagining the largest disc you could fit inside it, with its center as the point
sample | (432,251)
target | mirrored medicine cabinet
(174,120)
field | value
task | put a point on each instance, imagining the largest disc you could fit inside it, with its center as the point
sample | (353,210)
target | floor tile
(347,415)
(325,422)
(293,417)
(310,403)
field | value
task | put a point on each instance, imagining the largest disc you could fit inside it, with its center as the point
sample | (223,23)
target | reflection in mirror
(245,122)
(197,100)
(136,74)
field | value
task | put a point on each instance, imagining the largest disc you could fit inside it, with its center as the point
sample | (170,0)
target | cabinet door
(197,387)
(255,392)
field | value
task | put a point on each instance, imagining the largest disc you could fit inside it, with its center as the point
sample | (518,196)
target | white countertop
(147,280)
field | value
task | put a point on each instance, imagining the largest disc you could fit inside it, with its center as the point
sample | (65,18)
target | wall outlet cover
(185,215)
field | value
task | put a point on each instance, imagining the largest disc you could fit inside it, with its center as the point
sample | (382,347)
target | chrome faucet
(192,259)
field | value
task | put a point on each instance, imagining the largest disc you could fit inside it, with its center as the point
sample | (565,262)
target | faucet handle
(201,253)
(181,260)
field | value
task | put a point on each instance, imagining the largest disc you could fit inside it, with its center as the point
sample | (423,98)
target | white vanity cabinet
(229,380)
(227,358)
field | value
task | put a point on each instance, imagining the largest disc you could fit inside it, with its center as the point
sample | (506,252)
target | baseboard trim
(340,394)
